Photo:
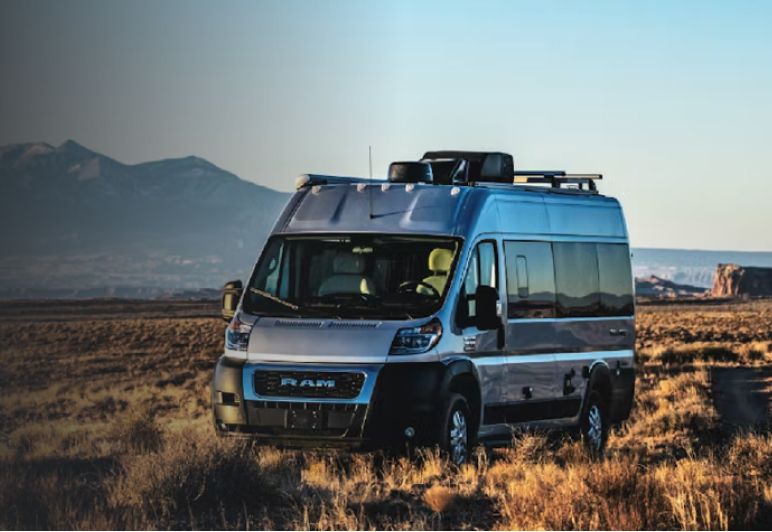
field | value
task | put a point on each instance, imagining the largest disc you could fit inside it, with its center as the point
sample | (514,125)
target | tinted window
(481,271)
(616,282)
(360,276)
(487,254)
(576,279)
(522,276)
(471,283)
(530,280)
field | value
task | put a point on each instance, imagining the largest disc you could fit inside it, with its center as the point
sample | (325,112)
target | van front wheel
(454,432)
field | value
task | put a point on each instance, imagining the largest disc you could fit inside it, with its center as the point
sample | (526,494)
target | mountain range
(76,223)
(76,219)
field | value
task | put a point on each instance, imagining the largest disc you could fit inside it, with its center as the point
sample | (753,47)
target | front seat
(347,276)
(440,260)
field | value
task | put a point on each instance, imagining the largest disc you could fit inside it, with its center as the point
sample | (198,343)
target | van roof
(361,206)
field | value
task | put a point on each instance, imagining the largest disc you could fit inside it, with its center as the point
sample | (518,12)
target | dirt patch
(743,396)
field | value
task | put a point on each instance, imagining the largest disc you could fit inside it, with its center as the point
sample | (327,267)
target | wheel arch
(600,379)
(462,378)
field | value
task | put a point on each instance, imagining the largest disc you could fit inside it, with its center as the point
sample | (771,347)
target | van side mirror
(486,318)
(231,295)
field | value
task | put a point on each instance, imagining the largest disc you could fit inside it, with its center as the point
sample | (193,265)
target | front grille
(319,407)
(312,419)
(314,384)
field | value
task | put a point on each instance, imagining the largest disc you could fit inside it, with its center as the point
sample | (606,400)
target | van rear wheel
(595,423)
(455,439)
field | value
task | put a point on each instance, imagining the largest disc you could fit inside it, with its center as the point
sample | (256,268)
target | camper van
(454,303)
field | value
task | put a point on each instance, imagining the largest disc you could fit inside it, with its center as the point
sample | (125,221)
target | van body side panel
(585,217)
(584,341)
(519,215)
(490,364)
(534,373)
(530,349)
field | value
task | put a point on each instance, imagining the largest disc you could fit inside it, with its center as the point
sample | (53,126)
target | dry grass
(123,441)
(439,498)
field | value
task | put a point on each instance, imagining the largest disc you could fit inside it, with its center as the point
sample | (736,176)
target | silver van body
(303,377)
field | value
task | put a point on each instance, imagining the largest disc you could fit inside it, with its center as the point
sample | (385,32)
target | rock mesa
(732,280)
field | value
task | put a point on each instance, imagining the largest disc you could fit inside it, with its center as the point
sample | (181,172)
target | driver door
(483,346)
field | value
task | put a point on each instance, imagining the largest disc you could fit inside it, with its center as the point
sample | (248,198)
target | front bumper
(393,398)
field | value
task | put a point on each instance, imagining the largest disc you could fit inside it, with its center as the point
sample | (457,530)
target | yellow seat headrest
(440,260)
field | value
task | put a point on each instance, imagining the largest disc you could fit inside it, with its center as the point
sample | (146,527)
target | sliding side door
(530,338)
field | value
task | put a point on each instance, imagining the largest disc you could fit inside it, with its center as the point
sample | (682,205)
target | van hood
(322,341)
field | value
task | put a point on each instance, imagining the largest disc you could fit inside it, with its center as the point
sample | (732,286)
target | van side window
(522,276)
(481,272)
(487,255)
(269,280)
(530,280)
(616,280)
(472,280)
(576,279)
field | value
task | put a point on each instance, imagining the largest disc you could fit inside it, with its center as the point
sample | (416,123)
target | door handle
(527,392)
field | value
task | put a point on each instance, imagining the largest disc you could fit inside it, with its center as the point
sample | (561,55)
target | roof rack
(556,178)
(310,180)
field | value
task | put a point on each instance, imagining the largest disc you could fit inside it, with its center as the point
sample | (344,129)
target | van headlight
(237,334)
(414,340)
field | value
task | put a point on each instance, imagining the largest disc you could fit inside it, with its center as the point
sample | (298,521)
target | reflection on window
(522,277)
(487,254)
(530,280)
(616,281)
(576,279)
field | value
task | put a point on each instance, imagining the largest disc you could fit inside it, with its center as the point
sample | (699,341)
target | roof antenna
(370,154)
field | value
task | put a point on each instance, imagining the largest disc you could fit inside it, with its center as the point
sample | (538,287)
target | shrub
(139,432)
(192,478)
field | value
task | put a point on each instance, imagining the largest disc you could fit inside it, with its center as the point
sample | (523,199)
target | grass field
(104,424)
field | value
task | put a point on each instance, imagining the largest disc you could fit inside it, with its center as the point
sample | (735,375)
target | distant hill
(655,287)
(690,266)
(73,218)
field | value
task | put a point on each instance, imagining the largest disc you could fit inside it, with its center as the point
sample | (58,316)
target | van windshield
(362,276)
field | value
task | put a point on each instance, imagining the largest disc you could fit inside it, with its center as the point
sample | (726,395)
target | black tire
(595,423)
(456,425)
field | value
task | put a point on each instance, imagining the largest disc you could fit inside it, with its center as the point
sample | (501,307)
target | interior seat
(347,276)
(440,260)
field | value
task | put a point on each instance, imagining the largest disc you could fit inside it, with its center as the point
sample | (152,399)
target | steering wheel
(366,298)
(412,286)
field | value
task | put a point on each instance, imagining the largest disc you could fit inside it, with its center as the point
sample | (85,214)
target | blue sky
(669,100)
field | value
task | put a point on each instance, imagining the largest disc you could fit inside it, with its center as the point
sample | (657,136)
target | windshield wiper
(293,306)
(363,302)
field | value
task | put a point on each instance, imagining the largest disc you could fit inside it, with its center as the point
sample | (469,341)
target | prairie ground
(104,424)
